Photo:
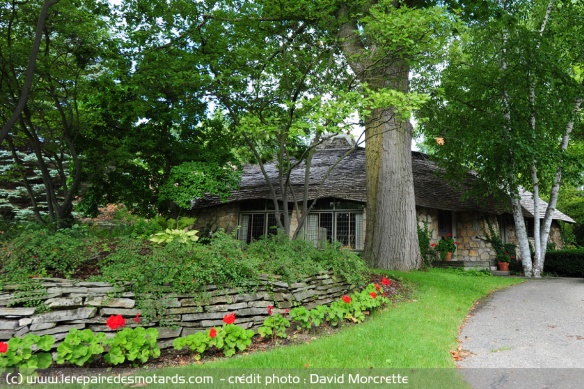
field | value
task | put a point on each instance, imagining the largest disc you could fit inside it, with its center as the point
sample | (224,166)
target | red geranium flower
(229,319)
(3,347)
(377,287)
(373,294)
(270,307)
(433,245)
(137,318)
(456,243)
(213,333)
(115,322)
(449,234)
(287,311)
(346,299)
(385,281)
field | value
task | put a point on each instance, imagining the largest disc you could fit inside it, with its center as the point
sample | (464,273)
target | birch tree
(512,94)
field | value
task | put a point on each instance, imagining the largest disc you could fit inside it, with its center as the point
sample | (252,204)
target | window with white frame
(329,220)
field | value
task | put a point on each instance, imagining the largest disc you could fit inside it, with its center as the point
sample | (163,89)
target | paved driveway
(530,335)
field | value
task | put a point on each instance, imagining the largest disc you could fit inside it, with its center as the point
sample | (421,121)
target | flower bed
(139,344)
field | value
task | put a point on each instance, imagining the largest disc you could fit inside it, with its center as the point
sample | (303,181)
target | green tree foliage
(74,42)
(506,99)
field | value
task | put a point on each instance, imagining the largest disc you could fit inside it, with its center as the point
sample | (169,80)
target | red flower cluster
(213,333)
(3,347)
(229,319)
(270,307)
(137,318)
(377,287)
(346,299)
(385,281)
(433,245)
(373,294)
(115,322)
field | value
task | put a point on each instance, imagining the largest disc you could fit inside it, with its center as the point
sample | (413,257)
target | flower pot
(503,266)
(449,256)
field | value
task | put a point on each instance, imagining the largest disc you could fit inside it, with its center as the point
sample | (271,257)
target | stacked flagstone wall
(68,304)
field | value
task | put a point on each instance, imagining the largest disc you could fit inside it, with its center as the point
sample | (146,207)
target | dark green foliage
(424,242)
(568,263)
(42,252)
(297,259)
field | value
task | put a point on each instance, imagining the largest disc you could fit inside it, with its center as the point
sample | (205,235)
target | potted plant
(503,260)
(446,246)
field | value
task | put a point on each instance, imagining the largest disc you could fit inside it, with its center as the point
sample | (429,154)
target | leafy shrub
(569,263)
(133,344)
(198,342)
(232,337)
(182,268)
(79,347)
(424,237)
(298,259)
(302,316)
(41,252)
(275,325)
(26,352)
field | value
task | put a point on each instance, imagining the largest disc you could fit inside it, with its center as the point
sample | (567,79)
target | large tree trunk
(391,239)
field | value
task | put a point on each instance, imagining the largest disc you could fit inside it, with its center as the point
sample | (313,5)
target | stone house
(340,211)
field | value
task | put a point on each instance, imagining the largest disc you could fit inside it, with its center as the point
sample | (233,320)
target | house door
(445,223)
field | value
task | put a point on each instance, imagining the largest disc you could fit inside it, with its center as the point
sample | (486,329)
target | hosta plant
(180,236)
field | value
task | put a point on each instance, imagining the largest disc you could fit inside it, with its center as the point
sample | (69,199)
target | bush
(42,252)
(297,259)
(568,263)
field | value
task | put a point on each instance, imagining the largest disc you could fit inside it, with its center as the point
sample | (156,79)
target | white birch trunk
(522,240)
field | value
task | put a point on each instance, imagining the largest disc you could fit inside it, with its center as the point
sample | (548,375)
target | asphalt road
(530,335)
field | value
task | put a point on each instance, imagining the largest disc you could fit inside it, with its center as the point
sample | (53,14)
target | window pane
(346,229)
(272,225)
(244,230)
(257,227)
(325,231)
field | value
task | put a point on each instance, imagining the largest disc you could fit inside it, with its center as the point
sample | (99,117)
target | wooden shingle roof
(347,181)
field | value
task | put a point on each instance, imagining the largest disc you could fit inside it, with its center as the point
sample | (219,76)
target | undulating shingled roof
(347,181)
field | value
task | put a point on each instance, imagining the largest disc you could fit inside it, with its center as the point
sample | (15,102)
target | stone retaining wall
(80,305)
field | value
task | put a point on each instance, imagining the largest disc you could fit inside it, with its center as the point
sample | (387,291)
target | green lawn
(418,334)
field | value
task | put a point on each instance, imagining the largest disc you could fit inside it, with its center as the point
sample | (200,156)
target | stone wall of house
(468,232)
(211,219)
(556,236)
(83,305)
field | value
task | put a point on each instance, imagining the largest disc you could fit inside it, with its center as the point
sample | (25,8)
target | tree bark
(391,238)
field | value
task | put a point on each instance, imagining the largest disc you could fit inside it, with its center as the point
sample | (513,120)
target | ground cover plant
(180,265)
